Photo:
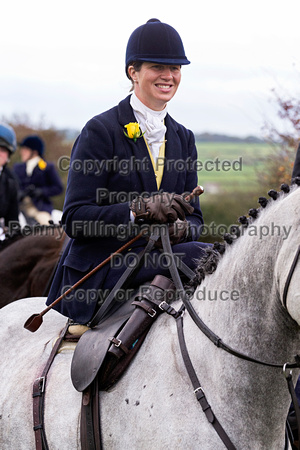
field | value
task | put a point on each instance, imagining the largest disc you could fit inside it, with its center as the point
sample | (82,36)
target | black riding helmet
(155,42)
(34,142)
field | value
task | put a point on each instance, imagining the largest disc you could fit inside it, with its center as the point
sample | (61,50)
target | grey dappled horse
(153,405)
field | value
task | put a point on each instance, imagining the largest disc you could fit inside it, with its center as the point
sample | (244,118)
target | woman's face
(26,154)
(155,84)
(4,156)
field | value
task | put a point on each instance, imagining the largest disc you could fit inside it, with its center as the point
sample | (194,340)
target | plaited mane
(208,263)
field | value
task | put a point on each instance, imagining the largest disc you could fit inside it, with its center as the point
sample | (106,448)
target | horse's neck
(252,321)
(241,299)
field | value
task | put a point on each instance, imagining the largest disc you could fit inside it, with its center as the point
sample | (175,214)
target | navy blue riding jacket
(106,168)
(45,179)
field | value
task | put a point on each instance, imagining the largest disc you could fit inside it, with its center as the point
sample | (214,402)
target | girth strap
(90,433)
(38,394)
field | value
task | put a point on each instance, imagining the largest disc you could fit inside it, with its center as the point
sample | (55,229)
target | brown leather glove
(160,208)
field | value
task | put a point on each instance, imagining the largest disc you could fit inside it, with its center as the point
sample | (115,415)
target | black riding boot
(147,310)
(150,302)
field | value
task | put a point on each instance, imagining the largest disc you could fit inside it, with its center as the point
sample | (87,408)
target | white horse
(153,405)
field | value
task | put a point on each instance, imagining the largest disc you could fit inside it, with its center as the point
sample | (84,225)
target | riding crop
(35,321)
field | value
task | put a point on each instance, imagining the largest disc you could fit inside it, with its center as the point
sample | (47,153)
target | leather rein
(219,343)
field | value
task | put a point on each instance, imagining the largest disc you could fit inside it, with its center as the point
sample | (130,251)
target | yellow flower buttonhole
(42,164)
(133,131)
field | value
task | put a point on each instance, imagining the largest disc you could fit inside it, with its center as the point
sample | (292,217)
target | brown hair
(137,67)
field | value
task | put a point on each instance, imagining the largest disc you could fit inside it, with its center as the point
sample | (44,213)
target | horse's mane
(208,263)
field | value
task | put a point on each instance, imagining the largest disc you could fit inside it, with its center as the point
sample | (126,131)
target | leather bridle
(289,277)
(219,343)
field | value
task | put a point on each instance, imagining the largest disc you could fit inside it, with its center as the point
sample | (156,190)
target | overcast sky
(64,60)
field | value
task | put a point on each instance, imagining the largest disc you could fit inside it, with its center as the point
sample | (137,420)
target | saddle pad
(71,338)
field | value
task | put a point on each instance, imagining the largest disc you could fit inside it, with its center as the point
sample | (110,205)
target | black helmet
(34,142)
(8,138)
(155,42)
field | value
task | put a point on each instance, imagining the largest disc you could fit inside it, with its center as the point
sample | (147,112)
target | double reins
(35,320)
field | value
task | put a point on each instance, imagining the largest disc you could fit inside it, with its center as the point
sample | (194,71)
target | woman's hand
(160,208)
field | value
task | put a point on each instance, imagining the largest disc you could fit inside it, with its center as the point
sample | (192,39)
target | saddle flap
(92,347)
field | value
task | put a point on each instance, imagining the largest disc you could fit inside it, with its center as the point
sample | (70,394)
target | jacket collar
(140,151)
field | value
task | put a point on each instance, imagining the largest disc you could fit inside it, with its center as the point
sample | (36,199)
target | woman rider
(103,200)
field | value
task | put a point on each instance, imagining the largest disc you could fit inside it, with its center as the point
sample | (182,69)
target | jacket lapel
(172,154)
(138,148)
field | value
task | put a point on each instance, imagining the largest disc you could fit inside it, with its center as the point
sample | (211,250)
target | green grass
(230,194)
(248,158)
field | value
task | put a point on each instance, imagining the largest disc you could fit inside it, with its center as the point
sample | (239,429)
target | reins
(199,393)
(201,325)
(289,277)
(34,321)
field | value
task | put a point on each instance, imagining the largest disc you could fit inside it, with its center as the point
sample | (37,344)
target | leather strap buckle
(163,305)
(199,389)
(116,342)
(152,313)
(41,383)
(119,344)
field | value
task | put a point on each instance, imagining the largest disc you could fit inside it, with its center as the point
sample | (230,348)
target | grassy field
(241,161)
(230,193)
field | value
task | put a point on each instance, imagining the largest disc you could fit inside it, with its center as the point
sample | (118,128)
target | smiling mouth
(164,86)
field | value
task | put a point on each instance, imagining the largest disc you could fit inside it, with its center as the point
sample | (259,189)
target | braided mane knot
(206,265)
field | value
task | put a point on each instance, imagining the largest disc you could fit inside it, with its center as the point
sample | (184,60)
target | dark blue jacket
(101,141)
(9,208)
(45,179)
